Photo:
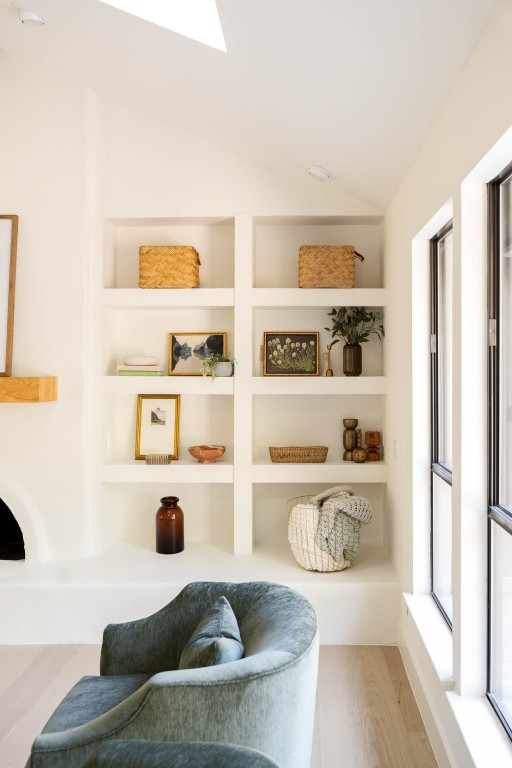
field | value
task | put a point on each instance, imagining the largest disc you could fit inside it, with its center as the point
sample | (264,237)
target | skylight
(197,19)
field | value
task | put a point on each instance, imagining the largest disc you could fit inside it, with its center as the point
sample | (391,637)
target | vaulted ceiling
(351,85)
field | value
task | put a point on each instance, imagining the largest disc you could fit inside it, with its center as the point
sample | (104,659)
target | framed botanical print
(288,353)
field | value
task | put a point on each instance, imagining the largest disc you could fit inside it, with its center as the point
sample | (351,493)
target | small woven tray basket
(327,266)
(302,527)
(168,266)
(307,454)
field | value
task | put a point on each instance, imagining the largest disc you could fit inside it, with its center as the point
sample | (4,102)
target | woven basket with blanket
(325,530)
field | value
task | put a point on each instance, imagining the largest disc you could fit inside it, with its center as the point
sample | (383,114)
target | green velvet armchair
(264,701)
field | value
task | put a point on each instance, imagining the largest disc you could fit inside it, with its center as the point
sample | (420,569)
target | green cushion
(215,640)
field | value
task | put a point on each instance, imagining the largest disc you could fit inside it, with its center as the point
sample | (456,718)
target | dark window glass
(499,662)
(441,419)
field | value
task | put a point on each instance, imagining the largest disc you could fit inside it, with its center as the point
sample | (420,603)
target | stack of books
(139,370)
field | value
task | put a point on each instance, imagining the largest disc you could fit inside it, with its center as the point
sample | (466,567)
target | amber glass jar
(170,527)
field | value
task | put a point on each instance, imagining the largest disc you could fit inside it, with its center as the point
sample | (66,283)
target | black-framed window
(499,665)
(441,255)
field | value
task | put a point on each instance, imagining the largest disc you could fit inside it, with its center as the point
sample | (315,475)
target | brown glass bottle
(169,527)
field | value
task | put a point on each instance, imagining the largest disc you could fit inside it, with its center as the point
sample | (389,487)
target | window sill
(435,634)
(485,740)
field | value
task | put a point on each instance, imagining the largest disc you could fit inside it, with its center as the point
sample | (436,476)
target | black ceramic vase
(352,360)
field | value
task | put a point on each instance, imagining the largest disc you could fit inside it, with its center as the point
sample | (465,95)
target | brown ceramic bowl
(207,454)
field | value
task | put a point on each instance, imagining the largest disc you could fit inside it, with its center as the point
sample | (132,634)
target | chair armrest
(148,645)
(69,748)
(130,648)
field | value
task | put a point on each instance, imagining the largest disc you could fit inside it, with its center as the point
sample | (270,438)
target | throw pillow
(216,639)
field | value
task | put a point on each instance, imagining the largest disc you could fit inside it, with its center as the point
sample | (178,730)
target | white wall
(476,117)
(42,178)
(152,169)
(68,159)
(478,112)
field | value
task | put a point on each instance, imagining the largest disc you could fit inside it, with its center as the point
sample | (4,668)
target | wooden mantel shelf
(28,389)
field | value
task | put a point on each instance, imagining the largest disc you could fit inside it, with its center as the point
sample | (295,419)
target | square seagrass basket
(168,266)
(327,266)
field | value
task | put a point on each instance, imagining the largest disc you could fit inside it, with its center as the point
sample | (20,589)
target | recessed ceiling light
(322,174)
(197,19)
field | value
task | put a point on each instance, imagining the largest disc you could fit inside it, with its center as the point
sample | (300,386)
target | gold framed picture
(158,425)
(187,350)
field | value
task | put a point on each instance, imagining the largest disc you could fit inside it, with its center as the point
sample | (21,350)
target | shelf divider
(318,385)
(298,298)
(328,472)
(167,298)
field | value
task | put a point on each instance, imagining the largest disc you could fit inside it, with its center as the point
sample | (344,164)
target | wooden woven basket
(327,266)
(168,266)
(307,454)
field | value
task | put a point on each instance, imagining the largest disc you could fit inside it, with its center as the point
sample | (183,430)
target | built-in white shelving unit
(237,508)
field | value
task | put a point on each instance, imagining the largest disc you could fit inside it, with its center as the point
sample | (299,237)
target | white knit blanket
(339,524)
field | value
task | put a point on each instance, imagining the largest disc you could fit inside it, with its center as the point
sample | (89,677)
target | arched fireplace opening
(12,546)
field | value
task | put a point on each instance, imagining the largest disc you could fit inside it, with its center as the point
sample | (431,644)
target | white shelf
(322,220)
(182,221)
(130,565)
(176,385)
(318,385)
(180,471)
(328,472)
(262,472)
(209,298)
(167,298)
(298,298)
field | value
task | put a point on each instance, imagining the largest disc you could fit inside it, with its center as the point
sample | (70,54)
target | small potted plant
(354,325)
(218,364)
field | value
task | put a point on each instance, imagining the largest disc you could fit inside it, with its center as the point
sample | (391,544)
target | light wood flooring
(366,713)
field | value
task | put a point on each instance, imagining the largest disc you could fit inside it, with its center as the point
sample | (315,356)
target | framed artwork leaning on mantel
(8,247)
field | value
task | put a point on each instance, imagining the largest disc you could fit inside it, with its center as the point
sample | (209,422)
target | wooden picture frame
(290,353)
(158,425)
(8,249)
(186,350)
